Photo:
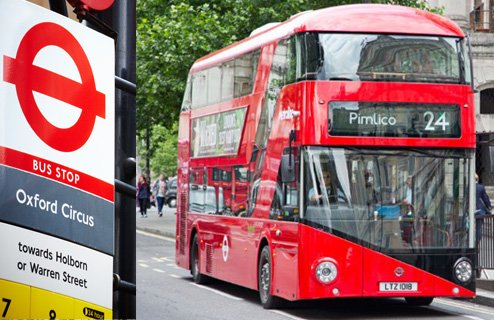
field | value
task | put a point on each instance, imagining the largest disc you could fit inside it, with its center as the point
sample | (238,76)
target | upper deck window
(222,82)
(379,57)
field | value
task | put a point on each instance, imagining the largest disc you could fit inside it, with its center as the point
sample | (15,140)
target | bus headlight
(463,270)
(326,272)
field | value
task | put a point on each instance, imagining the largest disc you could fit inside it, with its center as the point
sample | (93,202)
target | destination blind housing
(395,119)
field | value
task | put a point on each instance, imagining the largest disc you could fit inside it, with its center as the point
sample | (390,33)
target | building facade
(475,17)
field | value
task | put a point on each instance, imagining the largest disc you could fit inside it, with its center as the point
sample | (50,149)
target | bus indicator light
(326,272)
(463,270)
(225,248)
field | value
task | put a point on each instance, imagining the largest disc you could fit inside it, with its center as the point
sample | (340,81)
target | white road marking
(175,276)
(140,260)
(171,264)
(226,295)
(144,233)
(157,259)
(143,265)
(285,314)
(158,270)
(167,259)
(471,317)
(464,305)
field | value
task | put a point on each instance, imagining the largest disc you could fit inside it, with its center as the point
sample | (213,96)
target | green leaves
(163,149)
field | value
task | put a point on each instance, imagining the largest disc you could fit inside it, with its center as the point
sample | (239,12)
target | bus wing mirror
(287,168)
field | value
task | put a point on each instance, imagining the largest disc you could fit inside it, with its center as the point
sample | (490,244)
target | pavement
(165,226)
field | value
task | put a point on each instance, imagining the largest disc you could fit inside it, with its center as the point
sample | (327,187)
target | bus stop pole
(59,6)
(121,17)
(124,23)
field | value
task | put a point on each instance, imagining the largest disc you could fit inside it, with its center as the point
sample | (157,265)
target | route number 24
(7,305)
(432,122)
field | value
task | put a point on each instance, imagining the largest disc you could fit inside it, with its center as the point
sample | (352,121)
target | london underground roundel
(28,78)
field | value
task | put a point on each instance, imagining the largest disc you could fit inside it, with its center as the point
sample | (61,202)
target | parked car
(171,193)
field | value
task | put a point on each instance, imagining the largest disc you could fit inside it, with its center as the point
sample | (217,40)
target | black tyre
(419,301)
(194,262)
(264,279)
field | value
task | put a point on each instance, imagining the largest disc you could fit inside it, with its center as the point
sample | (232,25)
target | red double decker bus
(332,155)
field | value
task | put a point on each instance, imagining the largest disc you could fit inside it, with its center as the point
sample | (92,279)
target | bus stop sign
(57,164)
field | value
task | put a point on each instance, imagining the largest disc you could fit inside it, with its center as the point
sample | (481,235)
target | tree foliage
(163,151)
(172,34)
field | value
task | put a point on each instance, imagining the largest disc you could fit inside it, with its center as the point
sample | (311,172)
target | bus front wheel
(419,301)
(265,280)
(194,262)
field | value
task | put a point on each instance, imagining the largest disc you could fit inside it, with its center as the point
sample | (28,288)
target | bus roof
(358,18)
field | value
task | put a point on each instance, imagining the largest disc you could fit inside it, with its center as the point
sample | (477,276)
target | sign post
(56,166)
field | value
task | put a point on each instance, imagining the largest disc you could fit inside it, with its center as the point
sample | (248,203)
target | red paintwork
(372,18)
(360,271)
(314,117)
(298,248)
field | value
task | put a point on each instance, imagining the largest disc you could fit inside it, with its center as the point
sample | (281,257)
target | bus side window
(206,194)
(196,192)
(285,199)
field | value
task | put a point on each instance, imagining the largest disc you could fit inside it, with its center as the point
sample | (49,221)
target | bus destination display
(383,119)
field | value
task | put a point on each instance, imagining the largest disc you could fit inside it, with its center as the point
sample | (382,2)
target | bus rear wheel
(419,301)
(194,262)
(265,278)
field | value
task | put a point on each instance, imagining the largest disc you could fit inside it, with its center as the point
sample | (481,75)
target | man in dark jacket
(483,204)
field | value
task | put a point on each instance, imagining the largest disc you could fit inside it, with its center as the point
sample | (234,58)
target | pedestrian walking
(483,207)
(159,191)
(143,195)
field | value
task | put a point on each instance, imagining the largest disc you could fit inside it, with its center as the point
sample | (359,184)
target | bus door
(335,203)
(206,201)
(222,229)
(284,233)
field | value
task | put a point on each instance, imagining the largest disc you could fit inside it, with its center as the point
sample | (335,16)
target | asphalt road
(165,291)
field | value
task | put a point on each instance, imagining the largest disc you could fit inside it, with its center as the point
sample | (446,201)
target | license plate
(398,286)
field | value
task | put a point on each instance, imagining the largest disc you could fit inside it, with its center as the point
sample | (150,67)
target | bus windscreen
(384,57)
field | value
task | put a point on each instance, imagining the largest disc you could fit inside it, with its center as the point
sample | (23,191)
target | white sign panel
(57,102)
(56,265)
(57,97)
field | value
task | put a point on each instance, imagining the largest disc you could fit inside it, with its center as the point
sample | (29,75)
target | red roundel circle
(93,4)
(27,78)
